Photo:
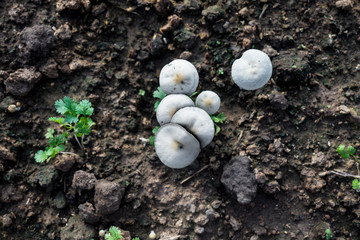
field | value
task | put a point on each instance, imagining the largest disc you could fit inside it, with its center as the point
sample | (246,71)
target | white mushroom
(196,121)
(252,71)
(209,101)
(179,76)
(175,146)
(169,105)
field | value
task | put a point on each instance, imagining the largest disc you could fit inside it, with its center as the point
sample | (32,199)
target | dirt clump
(239,180)
(22,81)
(83,181)
(108,196)
(35,41)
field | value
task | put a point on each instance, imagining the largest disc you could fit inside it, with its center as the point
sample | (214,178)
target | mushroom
(252,71)
(175,146)
(169,105)
(179,76)
(196,121)
(209,101)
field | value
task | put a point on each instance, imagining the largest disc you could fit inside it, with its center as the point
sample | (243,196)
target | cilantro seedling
(113,234)
(328,234)
(159,93)
(345,153)
(142,92)
(220,118)
(75,122)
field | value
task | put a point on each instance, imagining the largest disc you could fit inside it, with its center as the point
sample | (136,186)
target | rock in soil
(239,180)
(49,69)
(21,82)
(87,213)
(83,181)
(45,176)
(77,229)
(36,41)
(64,162)
(6,155)
(108,196)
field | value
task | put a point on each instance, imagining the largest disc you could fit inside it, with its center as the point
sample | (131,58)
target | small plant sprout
(170,105)
(175,146)
(179,76)
(113,234)
(328,234)
(220,118)
(197,122)
(76,122)
(160,95)
(345,153)
(252,71)
(208,101)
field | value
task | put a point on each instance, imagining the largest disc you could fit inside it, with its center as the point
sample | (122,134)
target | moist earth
(279,141)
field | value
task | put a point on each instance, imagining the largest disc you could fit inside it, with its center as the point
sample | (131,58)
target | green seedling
(328,234)
(113,234)
(159,93)
(76,122)
(142,92)
(220,118)
(152,138)
(345,153)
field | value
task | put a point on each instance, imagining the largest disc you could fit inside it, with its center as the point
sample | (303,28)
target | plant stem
(345,174)
(81,146)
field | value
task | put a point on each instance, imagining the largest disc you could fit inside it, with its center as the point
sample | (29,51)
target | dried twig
(199,171)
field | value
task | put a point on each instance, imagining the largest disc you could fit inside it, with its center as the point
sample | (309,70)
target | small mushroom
(196,121)
(209,101)
(179,76)
(169,105)
(252,71)
(175,146)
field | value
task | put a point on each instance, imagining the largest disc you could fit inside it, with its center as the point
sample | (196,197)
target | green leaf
(159,93)
(109,237)
(115,232)
(50,133)
(156,104)
(60,148)
(142,92)
(59,120)
(83,126)
(217,129)
(355,184)
(154,131)
(152,140)
(84,108)
(70,118)
(220,118)
(341,148)
(40,156)
(65,105)
(351,150)
(193,95)
(345,155)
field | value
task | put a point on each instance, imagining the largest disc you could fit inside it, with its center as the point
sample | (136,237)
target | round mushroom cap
(197,122)
(209,101)
(175,146)
(169,106)
(179,76)
(253,70)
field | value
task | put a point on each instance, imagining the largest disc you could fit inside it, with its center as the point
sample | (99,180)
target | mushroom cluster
(185,127)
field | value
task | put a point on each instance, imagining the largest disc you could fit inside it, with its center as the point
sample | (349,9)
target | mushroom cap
(253,70)
(175,146)
(209,101)
(179,76)
(197,122)
(169,106)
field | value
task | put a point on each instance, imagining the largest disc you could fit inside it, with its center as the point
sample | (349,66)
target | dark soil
(107,51)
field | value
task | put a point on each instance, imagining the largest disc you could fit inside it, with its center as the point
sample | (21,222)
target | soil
(107,51)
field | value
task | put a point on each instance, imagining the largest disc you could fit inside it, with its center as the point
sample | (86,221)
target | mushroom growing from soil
(175,146)
(179,76)
(209,101)
(197,122)
(169,105)
(253,70)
